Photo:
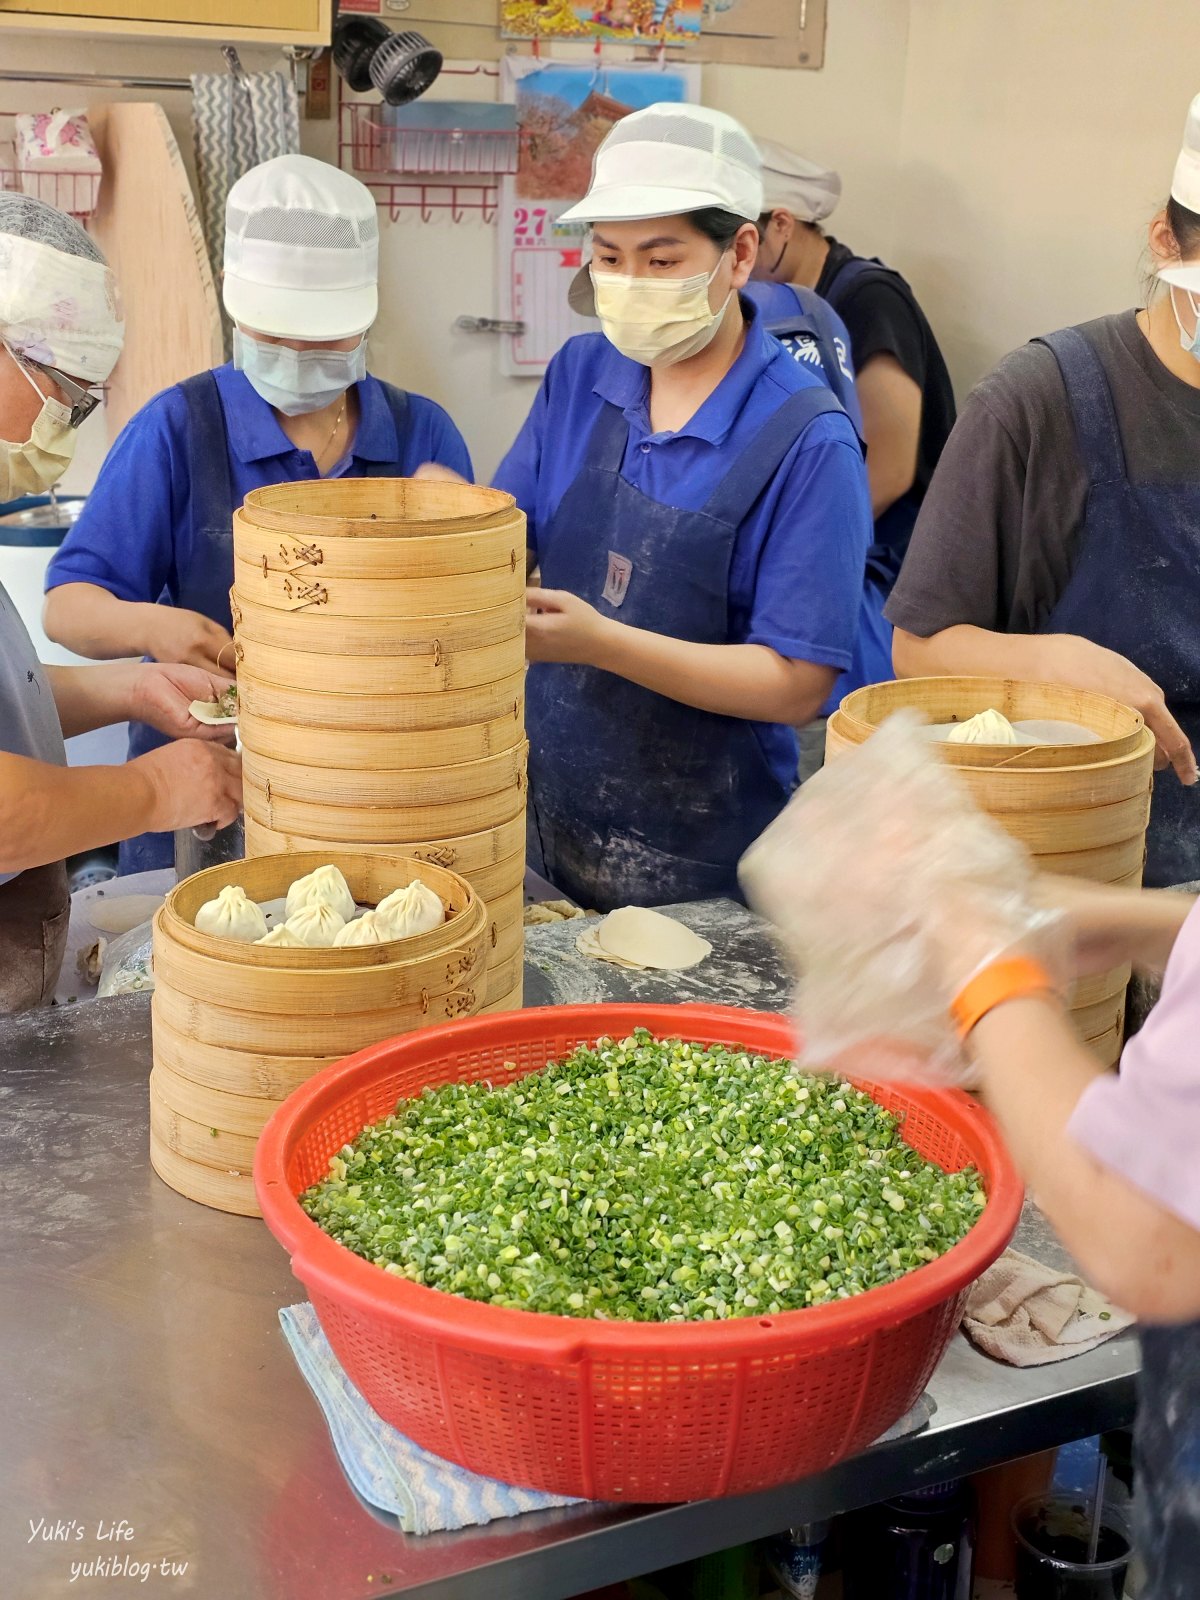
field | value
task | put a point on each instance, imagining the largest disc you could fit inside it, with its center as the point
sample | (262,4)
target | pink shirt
(1145,1124)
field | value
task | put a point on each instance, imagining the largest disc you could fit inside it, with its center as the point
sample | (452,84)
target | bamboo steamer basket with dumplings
(1080,809)
(379,633)
(237,1027)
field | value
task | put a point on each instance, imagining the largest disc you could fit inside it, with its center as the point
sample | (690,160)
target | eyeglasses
(82,401)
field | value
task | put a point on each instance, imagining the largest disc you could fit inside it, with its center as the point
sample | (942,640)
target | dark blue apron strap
(753,469)
(210,484)
(397,404)
(1091,402)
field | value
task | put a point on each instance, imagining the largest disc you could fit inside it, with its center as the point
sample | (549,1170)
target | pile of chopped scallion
(645,1180)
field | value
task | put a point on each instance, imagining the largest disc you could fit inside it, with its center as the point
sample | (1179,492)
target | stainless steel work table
(145,1380)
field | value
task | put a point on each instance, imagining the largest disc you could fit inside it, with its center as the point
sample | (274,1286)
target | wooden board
(149,228)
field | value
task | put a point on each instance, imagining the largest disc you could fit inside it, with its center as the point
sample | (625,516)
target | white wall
(1005,154)
(1038,139)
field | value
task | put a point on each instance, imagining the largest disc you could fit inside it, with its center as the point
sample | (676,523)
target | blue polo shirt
(134,535)
(796,574)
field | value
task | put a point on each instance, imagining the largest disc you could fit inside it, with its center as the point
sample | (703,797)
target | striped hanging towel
(237,123)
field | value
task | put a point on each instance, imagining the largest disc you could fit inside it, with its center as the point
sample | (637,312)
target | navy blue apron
(894,527)
(204,585)
(635,798)
(1133,590)
(1167,1453)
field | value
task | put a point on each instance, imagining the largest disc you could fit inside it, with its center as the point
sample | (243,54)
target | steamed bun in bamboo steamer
(413,909)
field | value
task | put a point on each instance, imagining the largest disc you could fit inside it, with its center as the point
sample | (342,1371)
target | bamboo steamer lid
(386,787)
(467,854)
(368,636)
(342,748)
(381,508)
(358,556)
(205,1144)
(428,674)
(505,979)
(351,824)
(386,713)
(314,600)
(245,1038)
(251,1075)
(514,1000)
(492,882)
(223,1189)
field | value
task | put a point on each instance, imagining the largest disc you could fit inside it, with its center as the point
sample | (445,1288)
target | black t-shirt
(883,318)
(998,536)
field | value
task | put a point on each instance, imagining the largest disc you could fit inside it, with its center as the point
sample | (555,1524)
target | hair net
(58,299)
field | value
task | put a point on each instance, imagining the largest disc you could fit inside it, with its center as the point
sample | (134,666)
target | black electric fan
(401,66)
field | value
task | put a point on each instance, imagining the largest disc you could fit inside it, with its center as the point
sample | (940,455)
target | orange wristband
(1014,979)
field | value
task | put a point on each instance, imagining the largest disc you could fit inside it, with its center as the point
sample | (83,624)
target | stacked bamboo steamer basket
(380,642)
(1080,809)
(238,1026)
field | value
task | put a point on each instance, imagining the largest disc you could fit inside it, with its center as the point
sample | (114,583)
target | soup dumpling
(323,886)
(316,925)
(232,915)
(413,909)
(367,929)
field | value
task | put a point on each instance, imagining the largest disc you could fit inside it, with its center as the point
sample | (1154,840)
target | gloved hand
(891,890)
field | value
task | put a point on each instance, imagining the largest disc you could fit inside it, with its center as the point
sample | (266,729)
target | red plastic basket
(607,1410)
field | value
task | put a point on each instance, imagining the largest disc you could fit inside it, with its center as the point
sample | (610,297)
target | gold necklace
(332,433)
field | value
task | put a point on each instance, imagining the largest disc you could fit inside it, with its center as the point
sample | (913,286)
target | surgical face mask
(657,321)
(298,381)
(1189,341)
(39,462)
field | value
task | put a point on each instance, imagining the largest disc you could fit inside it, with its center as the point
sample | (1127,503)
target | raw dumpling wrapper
(217,712)
(634,936)
(370,928)
(413,909)
(232,915)
(316,925)
(282,937)
(323,886)
(989,727)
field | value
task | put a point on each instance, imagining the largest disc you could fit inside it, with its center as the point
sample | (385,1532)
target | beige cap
(805,188)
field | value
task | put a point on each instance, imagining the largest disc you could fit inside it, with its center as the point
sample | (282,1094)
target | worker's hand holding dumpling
(162,694)
(891,890)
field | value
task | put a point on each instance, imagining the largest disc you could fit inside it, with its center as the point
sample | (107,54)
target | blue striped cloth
(389,1471)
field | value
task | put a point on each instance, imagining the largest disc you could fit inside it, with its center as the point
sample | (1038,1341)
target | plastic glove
(890,890)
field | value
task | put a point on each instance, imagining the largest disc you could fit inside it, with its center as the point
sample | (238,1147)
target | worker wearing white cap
(901,377)
(1060,540)
(148,566)
(60,335)
(697,506)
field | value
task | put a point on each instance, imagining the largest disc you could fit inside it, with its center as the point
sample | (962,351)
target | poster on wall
(564,111)
(653,22)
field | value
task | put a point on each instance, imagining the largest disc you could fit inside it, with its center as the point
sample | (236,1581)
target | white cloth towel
(1027,1314)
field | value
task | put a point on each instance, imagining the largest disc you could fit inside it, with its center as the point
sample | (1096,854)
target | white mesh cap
(301,251)
(1185,188)
(671,159)
(805,188)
